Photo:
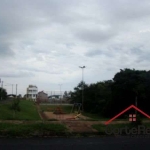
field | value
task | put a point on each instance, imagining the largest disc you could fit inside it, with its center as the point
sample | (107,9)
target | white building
(32,91)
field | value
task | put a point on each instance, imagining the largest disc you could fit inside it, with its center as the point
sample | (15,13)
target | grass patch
(27,111)
(101,128)
(51,108)
(94,117)
(36,129)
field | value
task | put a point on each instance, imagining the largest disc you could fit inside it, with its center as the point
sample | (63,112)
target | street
(93,143)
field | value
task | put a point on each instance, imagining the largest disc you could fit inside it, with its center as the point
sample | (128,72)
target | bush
(15,106)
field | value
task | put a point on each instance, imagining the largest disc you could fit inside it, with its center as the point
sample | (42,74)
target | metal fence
(57,92)
(58,97)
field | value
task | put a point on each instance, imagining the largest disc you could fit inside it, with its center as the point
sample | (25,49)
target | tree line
(3,94)
(107,98)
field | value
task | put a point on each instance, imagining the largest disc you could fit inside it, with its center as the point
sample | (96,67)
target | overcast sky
(43,42)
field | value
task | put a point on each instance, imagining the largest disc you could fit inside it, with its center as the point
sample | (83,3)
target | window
(132,117)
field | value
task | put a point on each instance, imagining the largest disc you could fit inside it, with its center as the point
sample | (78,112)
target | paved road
(94,143)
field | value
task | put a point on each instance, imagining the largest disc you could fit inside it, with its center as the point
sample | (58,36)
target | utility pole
(16,90)
(136,97)
(60,93)
(1,89)
(12,88)
(82,88)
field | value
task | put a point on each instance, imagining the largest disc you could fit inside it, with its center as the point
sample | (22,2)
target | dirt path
(72,116)
(41,114)
(78,124)
(73,123)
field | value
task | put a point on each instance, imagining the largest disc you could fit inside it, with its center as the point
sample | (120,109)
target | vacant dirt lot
(51,115)
(72,122)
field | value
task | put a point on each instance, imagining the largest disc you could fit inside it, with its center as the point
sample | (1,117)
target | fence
(58,97)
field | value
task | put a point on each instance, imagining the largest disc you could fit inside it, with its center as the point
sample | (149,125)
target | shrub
(15,106)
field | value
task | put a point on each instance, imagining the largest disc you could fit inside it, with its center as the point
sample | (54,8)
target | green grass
(28,111)
(65,108)
(101,127)
(36,129)
(94,117)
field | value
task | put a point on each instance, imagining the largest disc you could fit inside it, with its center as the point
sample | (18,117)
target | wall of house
(42,97)
(32,92)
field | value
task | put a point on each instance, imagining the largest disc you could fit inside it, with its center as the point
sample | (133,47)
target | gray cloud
(49,39)
(17,74)
(45,70)
(94,36)
(94,53)
(5,50)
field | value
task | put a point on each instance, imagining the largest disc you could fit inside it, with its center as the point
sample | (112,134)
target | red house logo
(132,117)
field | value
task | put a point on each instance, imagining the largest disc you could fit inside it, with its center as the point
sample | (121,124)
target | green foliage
(52,108)
(96,96)
(15,104)
(94,117)
(108,98)
(28,111)
(3,94)
(34,129)
(128,86)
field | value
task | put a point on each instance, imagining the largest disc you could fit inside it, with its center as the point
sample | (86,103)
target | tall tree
(3,94)
(65,94)
(129,88)
(96,96)
(108,98)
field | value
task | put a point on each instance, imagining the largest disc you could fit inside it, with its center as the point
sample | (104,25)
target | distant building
(32,91)
(42,97)
(55,97)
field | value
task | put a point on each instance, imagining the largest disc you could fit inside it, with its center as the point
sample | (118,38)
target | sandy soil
(77,124)
(51,115)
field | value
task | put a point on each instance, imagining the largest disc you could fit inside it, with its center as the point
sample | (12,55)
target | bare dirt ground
(72,116)
(78,124)
(72,122)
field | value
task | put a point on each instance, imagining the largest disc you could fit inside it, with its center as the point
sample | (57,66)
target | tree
(25,96)
(130,88)
(65,94)
(3,94)
(15,106)
(19,96)
(96,96)
(77,94)
(108,98)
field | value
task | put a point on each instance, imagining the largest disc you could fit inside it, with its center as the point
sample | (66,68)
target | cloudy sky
(43,42)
